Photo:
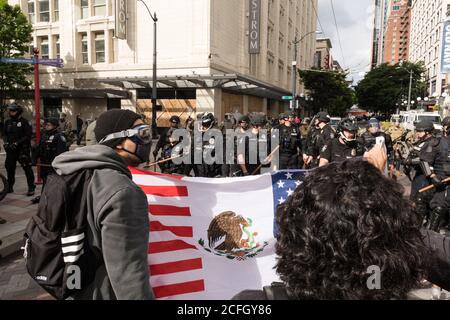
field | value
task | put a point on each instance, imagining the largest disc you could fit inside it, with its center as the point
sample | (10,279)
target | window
(44,11)
(44,48)
(84,49)
(99,48)
(84,9)
(55,10)
(31,12)
(99,7)
(57,47)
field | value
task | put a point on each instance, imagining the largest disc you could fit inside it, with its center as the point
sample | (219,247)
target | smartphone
(380,140)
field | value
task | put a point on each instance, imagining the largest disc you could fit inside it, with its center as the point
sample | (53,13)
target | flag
(213,238)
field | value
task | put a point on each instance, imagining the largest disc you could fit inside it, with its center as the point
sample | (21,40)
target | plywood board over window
(184,108)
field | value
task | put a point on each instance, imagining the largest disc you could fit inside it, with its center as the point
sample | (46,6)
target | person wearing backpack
(104,213)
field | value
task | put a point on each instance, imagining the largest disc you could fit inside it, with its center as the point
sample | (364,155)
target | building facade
(381,13)
(218,56)
(323,58)
(426,40)
(396,37)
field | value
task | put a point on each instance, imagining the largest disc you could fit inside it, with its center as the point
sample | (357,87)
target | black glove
(155,154)
(13,146)
(437,182)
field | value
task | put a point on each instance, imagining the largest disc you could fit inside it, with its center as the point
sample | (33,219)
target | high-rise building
(213,55)
(396,37)
(426,40)
(381,12)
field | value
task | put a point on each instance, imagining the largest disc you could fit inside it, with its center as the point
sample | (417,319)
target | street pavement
(15,283)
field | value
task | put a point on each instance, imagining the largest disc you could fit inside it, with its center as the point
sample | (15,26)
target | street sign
(52,62)
(288,98)
(17,60)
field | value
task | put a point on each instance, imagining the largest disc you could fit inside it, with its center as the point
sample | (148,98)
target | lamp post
(294,65)
(411,72)
(154,82)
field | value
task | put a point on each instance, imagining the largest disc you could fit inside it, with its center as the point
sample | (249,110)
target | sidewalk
(16,209)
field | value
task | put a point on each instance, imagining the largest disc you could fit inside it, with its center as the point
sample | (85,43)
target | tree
(329,90)
(384,88)
(15,38)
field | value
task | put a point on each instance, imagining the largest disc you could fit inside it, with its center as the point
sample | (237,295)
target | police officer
(52,144)
(290,145)
(170,150)
(440,204)
(344,146)
(369,139)
(18,147)
(207,148)
(319,138)
(174,122)
(239,141)
(429,158)
(256,145)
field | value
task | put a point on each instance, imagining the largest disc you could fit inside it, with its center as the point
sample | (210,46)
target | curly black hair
(345,218)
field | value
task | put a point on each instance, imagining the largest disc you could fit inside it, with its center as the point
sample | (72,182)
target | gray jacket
(118,224)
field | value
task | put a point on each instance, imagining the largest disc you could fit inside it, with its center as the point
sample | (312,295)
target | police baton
(266,159)
(430,187)
(162,161)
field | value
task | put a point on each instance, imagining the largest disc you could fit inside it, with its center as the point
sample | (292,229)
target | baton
(430,187)
(266,159)
(161,161)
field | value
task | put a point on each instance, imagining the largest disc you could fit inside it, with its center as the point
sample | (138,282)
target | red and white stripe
(171,236)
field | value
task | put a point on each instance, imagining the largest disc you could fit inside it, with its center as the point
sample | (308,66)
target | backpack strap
(276,291)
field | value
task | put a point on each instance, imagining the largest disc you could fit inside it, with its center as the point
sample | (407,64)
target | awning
(74,94)
(234,83)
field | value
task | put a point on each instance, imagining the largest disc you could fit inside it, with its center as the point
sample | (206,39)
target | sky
(355,24)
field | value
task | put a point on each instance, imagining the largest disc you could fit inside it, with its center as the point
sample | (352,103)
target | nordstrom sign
(255,27)
(120,30)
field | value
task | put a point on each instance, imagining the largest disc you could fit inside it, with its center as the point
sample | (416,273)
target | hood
(90,157)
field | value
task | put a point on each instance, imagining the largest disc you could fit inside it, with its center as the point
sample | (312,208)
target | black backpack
(58,255)
(276,291)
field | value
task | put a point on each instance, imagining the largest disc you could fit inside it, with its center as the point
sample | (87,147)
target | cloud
(354,20)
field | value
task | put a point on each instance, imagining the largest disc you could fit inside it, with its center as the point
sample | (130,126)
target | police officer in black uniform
(18,147)
(440,204)
(256,143)
(164,138)
(429,159)
(171,150)
(369,137)
(290,144)
(318,138)
(52,144)
(205,148)
(344,146)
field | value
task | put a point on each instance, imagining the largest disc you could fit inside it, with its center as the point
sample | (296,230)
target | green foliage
(387,85)
(330,91)
(15,38)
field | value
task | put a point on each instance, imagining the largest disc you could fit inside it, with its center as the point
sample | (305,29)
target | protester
(346,220)
(118,209)
(65,126)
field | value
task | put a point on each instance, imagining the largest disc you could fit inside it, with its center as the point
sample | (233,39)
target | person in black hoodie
(118,209)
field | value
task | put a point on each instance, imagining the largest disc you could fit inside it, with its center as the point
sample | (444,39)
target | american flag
(182,264)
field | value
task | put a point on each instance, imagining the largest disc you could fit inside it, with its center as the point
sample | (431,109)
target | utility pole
(410,89)
(294,76)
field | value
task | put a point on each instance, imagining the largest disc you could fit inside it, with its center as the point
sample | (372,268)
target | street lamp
(294,64)
(154,84)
